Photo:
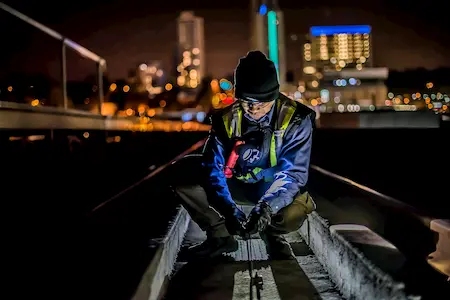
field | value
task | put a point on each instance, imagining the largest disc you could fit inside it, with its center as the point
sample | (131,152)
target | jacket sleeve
(293,166)
(214,160)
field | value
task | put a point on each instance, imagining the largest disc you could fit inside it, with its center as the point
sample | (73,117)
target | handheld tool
(257,280)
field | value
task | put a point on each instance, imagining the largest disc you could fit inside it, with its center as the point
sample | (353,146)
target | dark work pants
(194,199)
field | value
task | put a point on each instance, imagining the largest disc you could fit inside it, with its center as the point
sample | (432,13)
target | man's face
(256,109)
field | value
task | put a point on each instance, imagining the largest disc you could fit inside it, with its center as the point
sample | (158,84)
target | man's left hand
(259,218)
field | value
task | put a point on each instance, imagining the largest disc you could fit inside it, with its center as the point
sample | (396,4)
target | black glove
(259,218)
(234,220)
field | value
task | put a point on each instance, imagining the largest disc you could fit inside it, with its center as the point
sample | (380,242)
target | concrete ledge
(152,284)
(440,259)
(356,276)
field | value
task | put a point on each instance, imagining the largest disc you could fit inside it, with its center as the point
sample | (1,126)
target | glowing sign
(263,9)
(273,37)
(201,116)
(225,85)
(349,29)
(325,96)
(186,117)
(228,100)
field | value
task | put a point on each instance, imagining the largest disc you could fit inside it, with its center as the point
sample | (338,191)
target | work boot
(277,247)
(214,247)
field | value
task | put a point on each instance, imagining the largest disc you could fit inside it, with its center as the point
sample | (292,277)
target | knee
(192,195)
(289,220)
(190,190)
(305,200)
(292,217)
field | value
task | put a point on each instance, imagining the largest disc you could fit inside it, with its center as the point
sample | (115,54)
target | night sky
(125,33)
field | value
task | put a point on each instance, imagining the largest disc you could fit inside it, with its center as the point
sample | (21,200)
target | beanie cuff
(261,97)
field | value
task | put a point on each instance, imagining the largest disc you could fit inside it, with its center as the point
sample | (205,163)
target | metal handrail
(65,42)
(45,109)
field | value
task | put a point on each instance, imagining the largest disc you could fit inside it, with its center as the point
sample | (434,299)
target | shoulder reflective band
(230,119)
(233,122)
(286,112)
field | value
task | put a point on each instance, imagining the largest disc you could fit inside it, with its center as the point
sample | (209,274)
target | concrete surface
(152,283)
(355,275)
(328,258)
(440,258)
(229,278)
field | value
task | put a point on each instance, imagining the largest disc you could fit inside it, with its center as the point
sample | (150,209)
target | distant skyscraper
(333,48)
(191,45)
(267,33)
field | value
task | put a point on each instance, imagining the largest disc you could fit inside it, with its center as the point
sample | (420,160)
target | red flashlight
(228,170)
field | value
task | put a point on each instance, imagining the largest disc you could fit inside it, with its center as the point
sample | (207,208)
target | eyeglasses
(248,104)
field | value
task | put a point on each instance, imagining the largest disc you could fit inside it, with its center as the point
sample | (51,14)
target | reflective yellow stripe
(273,152)
(286,120)
(239,120)
(227,123)
(249,175)
(288,116)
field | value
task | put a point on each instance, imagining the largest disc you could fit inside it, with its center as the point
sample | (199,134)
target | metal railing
(65,42)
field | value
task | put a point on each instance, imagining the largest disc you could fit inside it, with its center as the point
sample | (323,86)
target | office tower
(338,69)
(191,46)
(267,33)
(333,48)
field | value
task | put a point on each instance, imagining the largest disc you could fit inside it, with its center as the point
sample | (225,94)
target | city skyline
(227,38)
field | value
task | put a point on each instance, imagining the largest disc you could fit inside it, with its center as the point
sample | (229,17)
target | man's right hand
(234,220)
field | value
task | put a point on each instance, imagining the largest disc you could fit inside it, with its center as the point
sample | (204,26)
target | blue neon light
(225,85)
(201,116)
(349,29)
(186,117)
(263,9)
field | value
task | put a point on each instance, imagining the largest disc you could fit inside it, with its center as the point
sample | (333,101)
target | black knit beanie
(256,78)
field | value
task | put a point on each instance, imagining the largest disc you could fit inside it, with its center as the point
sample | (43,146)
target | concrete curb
(153,282)
(440,258)
(355,276)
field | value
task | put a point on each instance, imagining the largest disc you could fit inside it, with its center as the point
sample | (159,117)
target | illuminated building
(150,77)
(340,90)
(338,71)
(191,67)
(339,47)
(333,48)
(267,33)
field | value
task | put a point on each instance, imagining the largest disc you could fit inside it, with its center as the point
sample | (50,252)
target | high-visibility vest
(285,109)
